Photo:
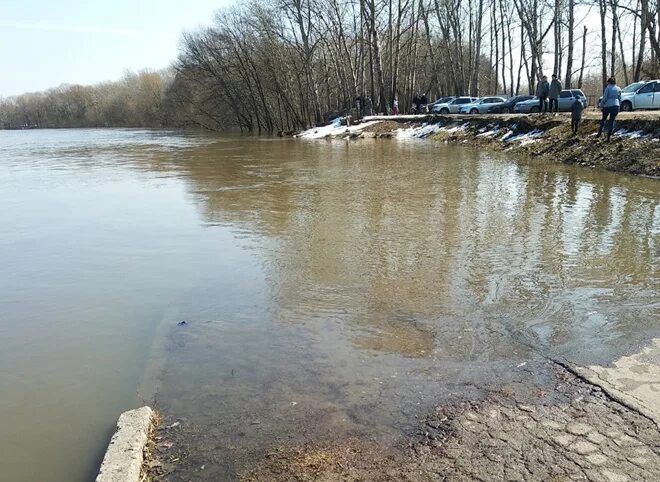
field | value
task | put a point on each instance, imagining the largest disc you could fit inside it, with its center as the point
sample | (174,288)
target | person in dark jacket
(576,114)
(542,91)
(553,93)
(417,101)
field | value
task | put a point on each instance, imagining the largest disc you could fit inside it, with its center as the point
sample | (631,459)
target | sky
(46,43)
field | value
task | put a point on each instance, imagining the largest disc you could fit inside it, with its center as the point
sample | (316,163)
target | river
(339,276)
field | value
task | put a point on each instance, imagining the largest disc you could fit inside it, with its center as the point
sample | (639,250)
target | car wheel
(474,111)
(444,111)
(505,110)
(626,106)
(535,109)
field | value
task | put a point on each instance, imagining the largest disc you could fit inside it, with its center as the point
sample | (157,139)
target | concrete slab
(123,459)
(633,380)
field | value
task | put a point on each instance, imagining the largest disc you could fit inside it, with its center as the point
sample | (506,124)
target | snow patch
(523,138)
(489,133)
(451,130)
(422,132)
(625,133)
(333,130)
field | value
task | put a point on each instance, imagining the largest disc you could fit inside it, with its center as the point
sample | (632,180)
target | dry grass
(149,448)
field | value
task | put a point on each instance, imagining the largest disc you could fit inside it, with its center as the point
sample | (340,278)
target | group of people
(420,102)
(548,94)
(610,103)
(549,90)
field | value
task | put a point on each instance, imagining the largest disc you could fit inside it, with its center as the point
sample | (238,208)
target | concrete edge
(124,456)
(625,399)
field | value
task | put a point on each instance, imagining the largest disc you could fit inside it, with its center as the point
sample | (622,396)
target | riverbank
(634,148)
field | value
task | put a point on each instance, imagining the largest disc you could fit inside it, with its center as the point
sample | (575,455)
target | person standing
(576,114)
(395,106)
(542,91)
(553,93)
(610,107)
(417,101)
(425,102)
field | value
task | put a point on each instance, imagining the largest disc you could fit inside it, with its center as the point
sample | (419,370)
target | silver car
(453,106)
(564,103)
(481,106)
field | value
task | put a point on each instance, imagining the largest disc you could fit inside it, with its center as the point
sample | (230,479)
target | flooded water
(327,286)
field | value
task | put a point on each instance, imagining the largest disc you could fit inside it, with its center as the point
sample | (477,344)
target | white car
(453,106)
(481,106)
(640,95)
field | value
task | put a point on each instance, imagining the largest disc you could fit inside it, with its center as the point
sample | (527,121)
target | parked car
(507,106)
(481,106)
(639,95)
(453,106)
(564,103)
(441,100)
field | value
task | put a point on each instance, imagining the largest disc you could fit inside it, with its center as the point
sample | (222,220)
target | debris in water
(182,323)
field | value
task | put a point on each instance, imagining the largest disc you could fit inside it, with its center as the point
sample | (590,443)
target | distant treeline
(281,65)
(134,101)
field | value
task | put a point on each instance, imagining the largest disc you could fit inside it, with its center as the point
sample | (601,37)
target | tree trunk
(602,9)
(474,91)
(569,60)
(613,44)
(584,54)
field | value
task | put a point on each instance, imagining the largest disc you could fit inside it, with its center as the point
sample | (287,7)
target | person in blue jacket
(610,107)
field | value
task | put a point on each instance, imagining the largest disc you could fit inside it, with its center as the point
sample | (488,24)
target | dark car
(507,107)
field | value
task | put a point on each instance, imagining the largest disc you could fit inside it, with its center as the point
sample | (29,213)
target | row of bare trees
(286,64)
(281,65)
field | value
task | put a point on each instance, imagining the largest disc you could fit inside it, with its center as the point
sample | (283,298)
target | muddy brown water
(330,288)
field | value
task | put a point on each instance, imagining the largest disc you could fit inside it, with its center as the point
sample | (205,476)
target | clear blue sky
(49,42)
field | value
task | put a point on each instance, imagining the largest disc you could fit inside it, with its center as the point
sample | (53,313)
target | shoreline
(634,148)
(579,427)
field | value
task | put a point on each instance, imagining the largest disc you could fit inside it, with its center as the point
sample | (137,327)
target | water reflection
(393,239)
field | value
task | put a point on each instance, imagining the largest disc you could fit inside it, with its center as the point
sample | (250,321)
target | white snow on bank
(333,130)
(488,133)
(401,117)
(450,130)
(625,133)
(425,130)
(523,138)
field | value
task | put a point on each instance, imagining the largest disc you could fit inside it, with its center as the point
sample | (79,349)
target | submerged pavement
(567,429)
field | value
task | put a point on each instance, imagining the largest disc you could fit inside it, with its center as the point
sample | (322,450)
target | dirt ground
(622,154)
(579,434)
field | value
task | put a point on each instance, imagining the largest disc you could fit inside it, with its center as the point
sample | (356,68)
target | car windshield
(633,87)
